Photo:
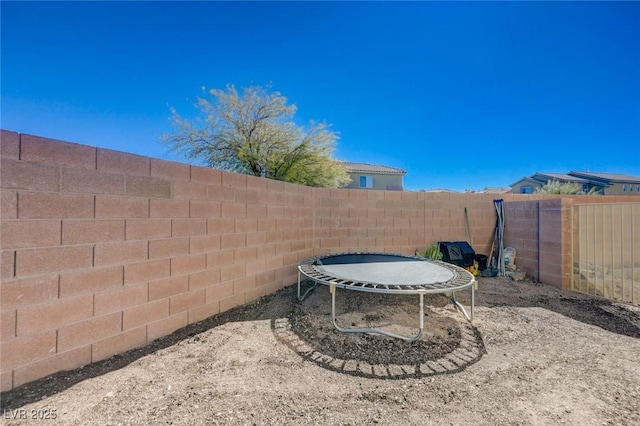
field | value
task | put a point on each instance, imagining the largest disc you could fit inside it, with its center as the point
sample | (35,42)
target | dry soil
(533,355)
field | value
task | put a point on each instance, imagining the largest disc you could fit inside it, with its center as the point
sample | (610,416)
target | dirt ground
(532,356)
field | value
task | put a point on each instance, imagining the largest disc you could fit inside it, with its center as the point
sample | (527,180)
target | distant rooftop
(496,190)
(585,177)
(439,190)
(618,177)
(562,177)
(373,168)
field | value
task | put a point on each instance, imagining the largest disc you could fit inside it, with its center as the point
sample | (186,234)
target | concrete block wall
(103,251)
(399,222)
(521,232)
(554,242)
(540,231)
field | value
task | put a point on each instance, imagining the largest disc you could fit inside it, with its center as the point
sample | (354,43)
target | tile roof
(373,168)
(525,179)
(593,178)
(496,190)
(439,190)
(562,177)
(611,177)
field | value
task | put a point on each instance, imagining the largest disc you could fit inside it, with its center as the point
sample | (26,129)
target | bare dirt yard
(534,355)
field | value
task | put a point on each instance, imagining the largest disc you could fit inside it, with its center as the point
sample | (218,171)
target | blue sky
(461,95)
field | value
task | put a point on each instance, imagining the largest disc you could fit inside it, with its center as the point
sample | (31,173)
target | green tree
(554,186)
(253,132)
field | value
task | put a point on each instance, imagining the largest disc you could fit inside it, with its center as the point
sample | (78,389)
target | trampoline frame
(462,279)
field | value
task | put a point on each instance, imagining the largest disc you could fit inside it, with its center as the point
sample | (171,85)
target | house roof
(526,179)
(562,177)
(607,177)
(439,190)
(593,178)
(496,190)
(373,168)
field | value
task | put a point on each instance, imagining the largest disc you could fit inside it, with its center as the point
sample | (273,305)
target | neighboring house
(613,183)
(495,190)
(526,185)
(529,185)
(600,183)
(372,176)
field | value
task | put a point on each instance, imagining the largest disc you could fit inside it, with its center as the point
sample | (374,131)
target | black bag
(459,253)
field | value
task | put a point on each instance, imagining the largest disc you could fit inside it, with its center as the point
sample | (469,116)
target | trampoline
(386,274)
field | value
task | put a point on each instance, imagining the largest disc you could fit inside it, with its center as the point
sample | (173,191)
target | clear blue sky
(461,95)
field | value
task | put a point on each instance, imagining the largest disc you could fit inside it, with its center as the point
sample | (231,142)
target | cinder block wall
(400,222)
(540,231)
(521,232)
(102,251)
(555,248)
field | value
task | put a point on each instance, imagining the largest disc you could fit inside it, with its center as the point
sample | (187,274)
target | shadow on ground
(287,317)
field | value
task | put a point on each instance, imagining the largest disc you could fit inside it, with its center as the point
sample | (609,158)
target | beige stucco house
(373,176)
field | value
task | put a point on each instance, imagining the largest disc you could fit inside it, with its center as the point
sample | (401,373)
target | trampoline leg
(473,298)
(461,308)
(332,289)
(421,321)
(301,297)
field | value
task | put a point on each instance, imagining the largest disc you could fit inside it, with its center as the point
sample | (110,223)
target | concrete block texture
(9,145)
(15,174)
(103,251)
(18,234)
(50,151)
